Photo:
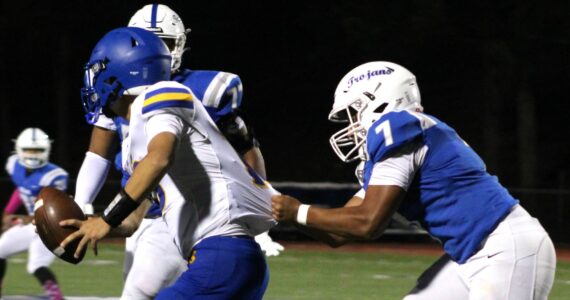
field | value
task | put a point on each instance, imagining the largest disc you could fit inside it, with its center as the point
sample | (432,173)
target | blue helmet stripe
(153,15)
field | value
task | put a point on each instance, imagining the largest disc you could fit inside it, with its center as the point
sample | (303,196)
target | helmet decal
(362,96)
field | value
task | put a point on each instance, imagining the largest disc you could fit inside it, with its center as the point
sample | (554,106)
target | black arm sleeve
(237,132)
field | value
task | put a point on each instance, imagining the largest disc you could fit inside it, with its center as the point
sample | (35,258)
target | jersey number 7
(387,130)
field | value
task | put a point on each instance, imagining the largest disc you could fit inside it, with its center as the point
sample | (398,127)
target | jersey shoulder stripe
(220,92)
(167,97)
(56,177)
(391,132)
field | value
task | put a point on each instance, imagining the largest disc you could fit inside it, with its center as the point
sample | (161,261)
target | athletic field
(303,271)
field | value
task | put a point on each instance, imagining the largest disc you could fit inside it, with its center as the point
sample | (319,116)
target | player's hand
(90,231)
(284,208)
(268,245)
(8,221)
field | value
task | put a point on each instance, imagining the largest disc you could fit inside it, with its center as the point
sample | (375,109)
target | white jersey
(208,189)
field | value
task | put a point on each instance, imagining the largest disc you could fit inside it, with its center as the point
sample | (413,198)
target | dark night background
(496,71)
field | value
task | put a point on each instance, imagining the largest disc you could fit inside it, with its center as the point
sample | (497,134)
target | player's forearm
(146,177)
(91,178)
(346,222)
(331,239)
(367,220)
(152,167)
(132,222)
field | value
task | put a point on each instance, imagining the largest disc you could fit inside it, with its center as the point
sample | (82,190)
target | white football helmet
(167,25)
(33,147)
(363,95)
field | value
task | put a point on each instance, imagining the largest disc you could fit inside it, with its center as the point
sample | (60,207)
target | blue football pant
(222,268)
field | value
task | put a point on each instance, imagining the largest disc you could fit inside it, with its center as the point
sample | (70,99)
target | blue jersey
(452,195)
(220,92)
(29,183)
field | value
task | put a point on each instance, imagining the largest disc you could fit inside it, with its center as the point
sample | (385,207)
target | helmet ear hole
(134,43)
(381,108)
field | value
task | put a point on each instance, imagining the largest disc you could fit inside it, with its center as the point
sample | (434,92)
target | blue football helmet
(125,58)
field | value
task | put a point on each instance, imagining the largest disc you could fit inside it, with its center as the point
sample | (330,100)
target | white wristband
(302,214)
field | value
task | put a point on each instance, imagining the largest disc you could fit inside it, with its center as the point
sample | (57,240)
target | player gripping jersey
(418,166)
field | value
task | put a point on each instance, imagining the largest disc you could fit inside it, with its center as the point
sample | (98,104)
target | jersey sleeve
(163,123)
(220,92)
(168,98)
(229,96)
(391,133)
(399,169)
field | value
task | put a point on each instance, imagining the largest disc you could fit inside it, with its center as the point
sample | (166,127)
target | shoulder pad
(11,164)
(390,133)
(56,177)
(220,92)
(167,95)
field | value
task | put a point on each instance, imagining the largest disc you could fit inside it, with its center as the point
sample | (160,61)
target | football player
(30,171)
(494,249)
(221,93)
(212,202)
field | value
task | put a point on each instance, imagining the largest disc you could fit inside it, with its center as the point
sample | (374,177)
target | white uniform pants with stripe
(20,238)
(517,261)
(152,261)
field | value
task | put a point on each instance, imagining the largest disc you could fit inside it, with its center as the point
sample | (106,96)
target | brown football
(53,206)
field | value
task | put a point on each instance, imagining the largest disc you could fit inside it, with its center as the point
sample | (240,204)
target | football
(51,207)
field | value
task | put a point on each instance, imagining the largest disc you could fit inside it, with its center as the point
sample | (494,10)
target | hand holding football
(53,206)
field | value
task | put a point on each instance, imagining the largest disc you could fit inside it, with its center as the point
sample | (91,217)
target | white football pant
(20,238)
(152,261)
(517,262)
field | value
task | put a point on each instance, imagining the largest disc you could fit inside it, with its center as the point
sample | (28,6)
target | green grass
(94,276)
(295,275)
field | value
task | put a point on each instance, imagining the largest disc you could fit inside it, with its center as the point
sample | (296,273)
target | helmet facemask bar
(33,148)
(176,45)
(89,97)
(167,25)
(33,158)
(93,103)
(348,142)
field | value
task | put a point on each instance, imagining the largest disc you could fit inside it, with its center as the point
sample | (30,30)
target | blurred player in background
(30,171)
(221,94)
(494,248)
(212,202)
